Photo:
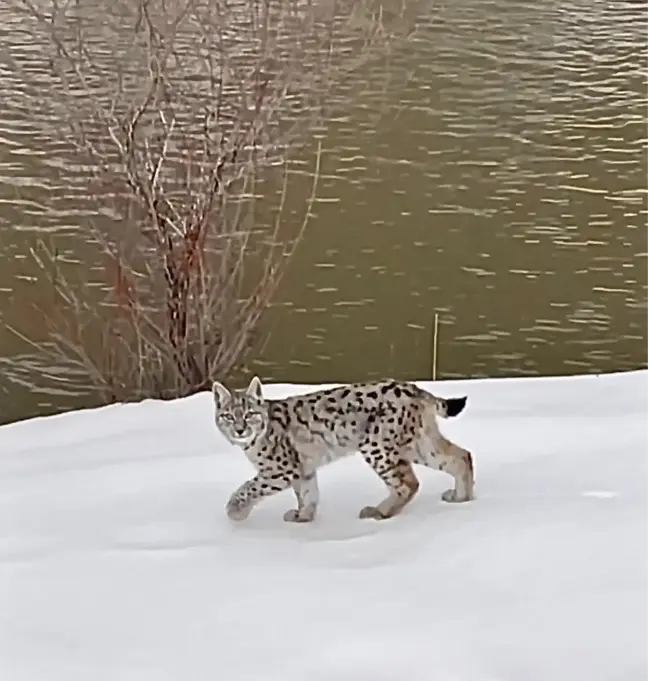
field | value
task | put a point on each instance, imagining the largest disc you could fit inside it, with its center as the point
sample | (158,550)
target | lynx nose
(240,431)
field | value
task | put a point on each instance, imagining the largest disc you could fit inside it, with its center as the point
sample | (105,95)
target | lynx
(391,424)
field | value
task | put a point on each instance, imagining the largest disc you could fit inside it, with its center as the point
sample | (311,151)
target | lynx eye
(227,417)
(252,415)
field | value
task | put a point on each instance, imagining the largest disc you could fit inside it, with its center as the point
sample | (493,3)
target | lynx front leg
(307,493)
(400,479)
(251,492)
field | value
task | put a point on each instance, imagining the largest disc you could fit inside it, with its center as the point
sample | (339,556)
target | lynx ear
(255,389)
(221,394)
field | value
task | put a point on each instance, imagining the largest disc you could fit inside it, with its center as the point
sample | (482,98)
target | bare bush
(183,113)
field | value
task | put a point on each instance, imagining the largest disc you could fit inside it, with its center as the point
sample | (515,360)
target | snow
(117,561)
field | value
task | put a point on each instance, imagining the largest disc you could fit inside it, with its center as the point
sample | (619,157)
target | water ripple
(501,182)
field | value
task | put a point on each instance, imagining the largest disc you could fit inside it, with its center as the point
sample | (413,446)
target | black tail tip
(455,405)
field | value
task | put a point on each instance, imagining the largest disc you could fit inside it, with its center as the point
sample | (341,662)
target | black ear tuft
(455,405)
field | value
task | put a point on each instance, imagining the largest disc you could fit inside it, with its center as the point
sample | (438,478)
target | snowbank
(117,561)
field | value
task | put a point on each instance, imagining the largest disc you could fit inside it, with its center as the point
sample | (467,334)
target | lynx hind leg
(307,493)
(458,463)
(400,479)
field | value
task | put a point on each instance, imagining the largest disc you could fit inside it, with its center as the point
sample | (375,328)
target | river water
(502,187)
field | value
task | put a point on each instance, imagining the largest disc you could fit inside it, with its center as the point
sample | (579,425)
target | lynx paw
(237,511)
(294,516)
(451,496)
(371,512)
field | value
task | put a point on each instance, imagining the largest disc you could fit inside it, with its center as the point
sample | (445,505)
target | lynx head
(241,415)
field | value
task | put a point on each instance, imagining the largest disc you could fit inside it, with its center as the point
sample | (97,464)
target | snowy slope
(118,563)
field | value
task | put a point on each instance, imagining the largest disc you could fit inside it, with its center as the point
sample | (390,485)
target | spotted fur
(391,424)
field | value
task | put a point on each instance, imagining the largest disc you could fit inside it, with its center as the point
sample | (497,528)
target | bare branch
(182,114)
